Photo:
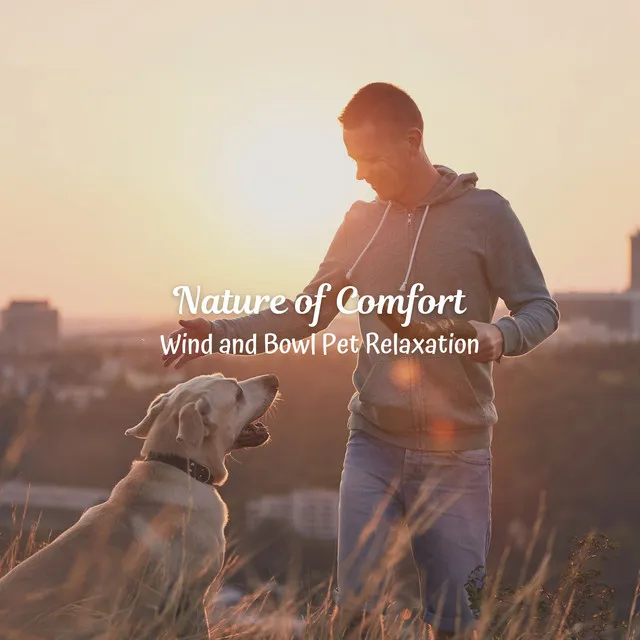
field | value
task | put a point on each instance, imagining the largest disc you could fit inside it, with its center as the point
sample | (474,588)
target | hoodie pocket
(385,395)
(444,396)
(390,382)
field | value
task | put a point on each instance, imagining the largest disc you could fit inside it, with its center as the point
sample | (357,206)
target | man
(420,425)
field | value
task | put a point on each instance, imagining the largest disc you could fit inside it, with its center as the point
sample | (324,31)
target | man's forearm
(530,325)
(516,277)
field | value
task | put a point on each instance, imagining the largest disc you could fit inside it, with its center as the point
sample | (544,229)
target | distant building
(311,513)
(268,508)
(45,507)
(603,316)
(29,326)
(141,380)
(599,317)
(17,493)
(314,514)
(79,395)
(24,379)
(635,262)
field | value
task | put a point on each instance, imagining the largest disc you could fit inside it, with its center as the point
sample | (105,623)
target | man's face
(383,157)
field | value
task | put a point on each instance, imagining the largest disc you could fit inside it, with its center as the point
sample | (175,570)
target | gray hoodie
(458,238)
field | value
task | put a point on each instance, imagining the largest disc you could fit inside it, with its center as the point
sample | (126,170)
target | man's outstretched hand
(198,329)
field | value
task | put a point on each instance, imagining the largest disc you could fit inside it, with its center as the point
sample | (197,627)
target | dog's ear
(191,427)
(141,430)
(192,430)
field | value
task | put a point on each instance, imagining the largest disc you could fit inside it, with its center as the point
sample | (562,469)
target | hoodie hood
(450,186)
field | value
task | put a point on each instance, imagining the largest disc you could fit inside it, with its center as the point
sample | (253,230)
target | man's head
(382,131)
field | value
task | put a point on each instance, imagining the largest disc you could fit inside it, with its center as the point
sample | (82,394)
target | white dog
(139,565)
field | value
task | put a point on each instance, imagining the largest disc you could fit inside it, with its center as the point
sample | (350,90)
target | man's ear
(414,139)
(191,427)
(141,430)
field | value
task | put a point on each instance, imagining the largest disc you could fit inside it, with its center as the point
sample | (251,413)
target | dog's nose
(272,382)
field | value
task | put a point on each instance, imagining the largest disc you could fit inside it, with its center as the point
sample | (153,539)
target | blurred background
(151,144)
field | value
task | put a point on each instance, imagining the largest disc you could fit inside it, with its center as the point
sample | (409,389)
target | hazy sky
(146,144)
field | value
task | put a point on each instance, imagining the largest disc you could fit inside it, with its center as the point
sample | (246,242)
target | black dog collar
(196,470)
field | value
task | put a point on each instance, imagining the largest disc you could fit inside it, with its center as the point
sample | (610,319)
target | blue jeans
(445,499)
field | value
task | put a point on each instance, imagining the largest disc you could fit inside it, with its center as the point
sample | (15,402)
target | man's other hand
(197,329)
(491,342)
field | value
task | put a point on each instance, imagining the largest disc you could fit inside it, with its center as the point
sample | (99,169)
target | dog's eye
(239,394)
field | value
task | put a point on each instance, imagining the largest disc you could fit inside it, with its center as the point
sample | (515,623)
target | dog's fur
(139,565)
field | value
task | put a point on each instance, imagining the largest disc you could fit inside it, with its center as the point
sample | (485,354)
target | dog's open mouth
(252,435)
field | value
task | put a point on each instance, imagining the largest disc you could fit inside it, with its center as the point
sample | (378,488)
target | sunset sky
(146,144)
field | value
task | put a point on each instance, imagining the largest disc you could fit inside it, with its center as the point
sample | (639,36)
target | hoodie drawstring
(403,286)
(373,237)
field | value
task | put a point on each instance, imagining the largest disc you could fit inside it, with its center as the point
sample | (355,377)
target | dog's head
(207,417)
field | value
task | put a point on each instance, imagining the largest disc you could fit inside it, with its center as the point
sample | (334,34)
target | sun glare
(287,172)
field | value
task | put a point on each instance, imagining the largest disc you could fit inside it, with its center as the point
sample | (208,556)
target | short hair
(381,102)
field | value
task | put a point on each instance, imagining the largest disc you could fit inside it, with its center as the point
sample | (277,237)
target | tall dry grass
(579,606)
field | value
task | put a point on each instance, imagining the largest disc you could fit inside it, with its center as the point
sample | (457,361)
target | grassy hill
(567,430)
